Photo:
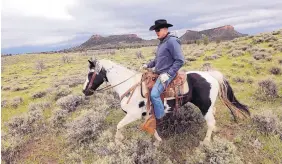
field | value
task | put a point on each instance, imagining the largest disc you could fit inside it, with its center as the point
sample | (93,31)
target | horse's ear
(91,64)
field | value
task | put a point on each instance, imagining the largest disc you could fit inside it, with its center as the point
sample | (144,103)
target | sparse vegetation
(39,106)
(267,90)
(39,65)
(275,70)
(220,151)
(44,109)
(66,59)
(84,129)
(70,102)
(38,94)
(16,101)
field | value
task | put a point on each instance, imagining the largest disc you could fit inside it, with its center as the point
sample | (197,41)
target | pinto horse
(204,87)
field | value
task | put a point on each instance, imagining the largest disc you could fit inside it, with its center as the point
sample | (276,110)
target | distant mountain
(96,42)
(220,33)
(114,41)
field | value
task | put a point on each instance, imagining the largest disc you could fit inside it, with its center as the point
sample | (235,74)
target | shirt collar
(165,38)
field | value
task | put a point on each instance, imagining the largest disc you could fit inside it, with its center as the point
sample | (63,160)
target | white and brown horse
(204,87)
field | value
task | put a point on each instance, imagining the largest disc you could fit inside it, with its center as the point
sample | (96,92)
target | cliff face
(97,40)
(220,33)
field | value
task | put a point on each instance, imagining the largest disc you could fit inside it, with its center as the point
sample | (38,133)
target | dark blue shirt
(169,58)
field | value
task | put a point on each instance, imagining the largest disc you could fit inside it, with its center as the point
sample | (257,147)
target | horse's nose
(87,93)
(84,92)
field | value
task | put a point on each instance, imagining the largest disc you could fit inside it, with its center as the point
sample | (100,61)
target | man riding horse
(169,59)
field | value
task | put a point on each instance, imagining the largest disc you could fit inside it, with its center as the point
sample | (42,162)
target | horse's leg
(209,117)
(126,120)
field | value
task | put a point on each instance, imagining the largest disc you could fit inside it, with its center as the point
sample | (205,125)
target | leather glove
(164,77)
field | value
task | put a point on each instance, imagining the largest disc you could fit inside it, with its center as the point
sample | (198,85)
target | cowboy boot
(150,124)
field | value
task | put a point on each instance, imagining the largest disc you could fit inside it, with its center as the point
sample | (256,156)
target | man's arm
(151,64)
(176,52)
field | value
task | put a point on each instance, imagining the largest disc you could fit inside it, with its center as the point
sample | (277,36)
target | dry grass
(83,129)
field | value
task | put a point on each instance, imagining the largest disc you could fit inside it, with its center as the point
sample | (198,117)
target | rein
(107,87)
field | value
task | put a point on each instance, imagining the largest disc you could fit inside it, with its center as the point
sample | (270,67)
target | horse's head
(96,76)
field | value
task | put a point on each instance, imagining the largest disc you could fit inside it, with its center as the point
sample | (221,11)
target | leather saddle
(178,86)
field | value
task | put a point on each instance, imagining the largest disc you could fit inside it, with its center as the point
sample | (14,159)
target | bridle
(106,87)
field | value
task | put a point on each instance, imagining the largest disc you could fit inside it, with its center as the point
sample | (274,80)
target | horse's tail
(227,96)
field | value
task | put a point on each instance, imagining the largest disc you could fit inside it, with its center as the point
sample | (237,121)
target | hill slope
(220,33)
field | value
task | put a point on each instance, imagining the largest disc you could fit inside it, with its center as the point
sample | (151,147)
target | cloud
(52,22)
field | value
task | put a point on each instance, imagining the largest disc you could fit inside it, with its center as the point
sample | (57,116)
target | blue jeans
(156,92)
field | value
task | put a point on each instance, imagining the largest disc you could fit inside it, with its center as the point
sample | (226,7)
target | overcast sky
(51,23)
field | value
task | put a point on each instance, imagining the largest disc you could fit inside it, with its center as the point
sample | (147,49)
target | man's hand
(144,66)
(164,77)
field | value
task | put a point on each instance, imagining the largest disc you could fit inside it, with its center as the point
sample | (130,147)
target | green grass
(21,67)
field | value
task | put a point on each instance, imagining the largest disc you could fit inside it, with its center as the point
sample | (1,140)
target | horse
(204,88)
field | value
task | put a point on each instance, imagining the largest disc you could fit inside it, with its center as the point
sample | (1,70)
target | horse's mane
(107,64)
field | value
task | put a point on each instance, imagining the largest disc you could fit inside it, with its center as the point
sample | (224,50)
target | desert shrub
(39,65)
(260,55)
(25,124)
(19,88)
(70,102)
(10,151)
(189,59)
(275,70)
(250,80)
(198,53)
(268,58)
(235,64)
(59,118)
(70,81)
(218,151)
(238,80)
(267,90)
(39,105)
(61,92)
(219,52)
(16,101)
(237,53)
(85,128)
(277,47)
(38,94)
(242,47)
(217,40)
(280,61)
(270,38)
(205,40)
(139,55)
(247,73)
(229,45)
(206,67)
(267,123)
(4,103)
(276,32)
(186,116)
(6,88)
(212,57)
(66,59)
(133,150)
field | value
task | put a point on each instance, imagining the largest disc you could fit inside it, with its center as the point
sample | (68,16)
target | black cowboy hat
(161,23)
